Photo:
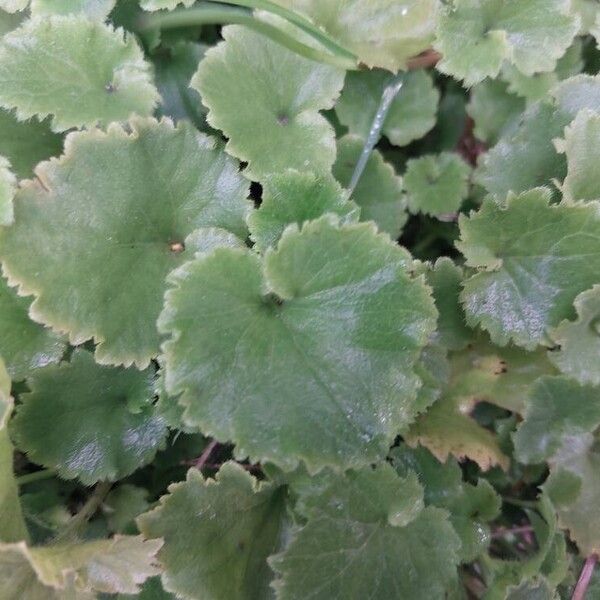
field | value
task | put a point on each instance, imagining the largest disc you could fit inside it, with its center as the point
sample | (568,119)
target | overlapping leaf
(8,185)
(379,190)
(579,340)
(25,344)
(412,113)
(436,184)
(74,571)
(89,421)
(382,33)
(337,554)
(218,535)
(294,198)
(79,71)
(475,37)
(558,427)
(93,9)
(306,355)
(283,94)
(534,259)
(106,278)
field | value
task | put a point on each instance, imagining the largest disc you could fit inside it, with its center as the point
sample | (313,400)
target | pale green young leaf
(96,10)
(12,525)
(436,184)
(538,589)
(106,278)
(382,33)
(587,12)
(494,109)
(579,340)
(308,354)
(446,278)
(580,146)
(278,126)
(534,259)
(89,421)
(412,113)
(525,157)
(578,93)
(475,37)
(337,554)
(447,429)
(471,507)
(8,187)
(294,197)
(73,571)
(218,535)
(151,590)
(25,344)
(79,71)
(26,143)
(433,369)
(379,190)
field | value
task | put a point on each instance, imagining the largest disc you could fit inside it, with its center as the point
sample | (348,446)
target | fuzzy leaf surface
(476,36)
(292,357)
(382,33)
(337,555)
(283,93)
(104,425)
(81,72)
(96,10)
(218,535)
(8,186)
(106,278)
(379,190)
(534,259)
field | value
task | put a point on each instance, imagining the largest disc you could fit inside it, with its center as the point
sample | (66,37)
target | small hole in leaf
(283,119)
(177,247)
(110,88)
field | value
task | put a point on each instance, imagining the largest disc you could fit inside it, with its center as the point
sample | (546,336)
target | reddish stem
(502,531)
(584,579)
(200,463)
(425,60)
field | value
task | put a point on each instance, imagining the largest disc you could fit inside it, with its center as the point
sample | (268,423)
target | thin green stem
(388,95)
(296,19)
(76,524)
(35,476)
(521,503)
(205,15)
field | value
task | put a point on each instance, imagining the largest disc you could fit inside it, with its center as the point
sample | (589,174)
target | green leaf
(73,571)
(558,425)
(283,94)
(587,11)
(122,505)
(525,157)
(494,109)
(104,425)
(152,590)
(412,113)
(81,72)
(96,10)
(446,278)
(26,143)
(218,535)
(174,70)
(579,340)
(534,259)
(106,278)
(8,186)
(538,589)
(475,37)
(164,4)
(581,149)
(382,33)
(294,197)
(10,21)
(12,525)
(306,355)
(25,344)
(365,538)
(436,184)
(471,507)
(13,6)
(379,190)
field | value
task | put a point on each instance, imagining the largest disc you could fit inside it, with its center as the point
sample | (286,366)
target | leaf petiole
(35,476)
(208,15)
